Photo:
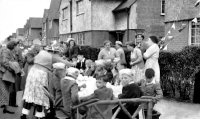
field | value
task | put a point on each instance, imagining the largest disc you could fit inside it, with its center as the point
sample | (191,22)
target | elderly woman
(69,89)
(130,90)
(39,77)
(137,63)
(8,71)
(151,55)
(107,53)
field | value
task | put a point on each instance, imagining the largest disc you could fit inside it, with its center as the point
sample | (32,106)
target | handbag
(8,76)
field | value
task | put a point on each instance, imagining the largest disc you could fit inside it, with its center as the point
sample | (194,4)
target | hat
(119,42)
(59,65)
(70,39)
(44,58)
(72,70)
(126,71)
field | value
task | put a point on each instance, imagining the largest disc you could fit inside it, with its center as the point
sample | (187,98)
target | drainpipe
(128,17)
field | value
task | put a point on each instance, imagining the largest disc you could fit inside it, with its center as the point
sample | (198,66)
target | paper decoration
(197,3)
(173,26)
(169,32)
(182,27)
(194,20)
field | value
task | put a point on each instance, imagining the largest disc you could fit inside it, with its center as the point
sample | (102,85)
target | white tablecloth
(91,86)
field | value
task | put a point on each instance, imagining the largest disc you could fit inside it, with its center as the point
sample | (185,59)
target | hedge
(177,70)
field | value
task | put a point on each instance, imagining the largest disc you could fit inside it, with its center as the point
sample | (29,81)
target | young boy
(81,62)
(101,93)
(150,88)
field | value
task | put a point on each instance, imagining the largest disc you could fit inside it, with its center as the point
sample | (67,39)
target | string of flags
(166,40)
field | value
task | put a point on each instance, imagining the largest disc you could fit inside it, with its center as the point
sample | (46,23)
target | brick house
(33,30)
(44,27)
(181,13)
(53,19)
(91,22)
(20,34)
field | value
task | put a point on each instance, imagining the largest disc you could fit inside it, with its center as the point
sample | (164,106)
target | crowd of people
(42,73)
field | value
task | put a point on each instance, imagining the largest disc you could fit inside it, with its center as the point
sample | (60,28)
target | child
(101,93)
(150,88)
(81,62)
(69,89)
(129,90)
(90,68)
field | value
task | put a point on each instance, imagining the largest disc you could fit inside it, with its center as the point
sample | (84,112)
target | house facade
(33,30)
(184,17)
(91,22)
(20,34)
(44,27)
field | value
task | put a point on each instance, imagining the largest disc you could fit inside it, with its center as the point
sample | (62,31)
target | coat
(130,91)
(71,52)
(55,90)
(69,89)
(6,56)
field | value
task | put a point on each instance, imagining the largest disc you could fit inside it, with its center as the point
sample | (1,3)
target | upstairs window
(65,14)
(162,7)
(79,7)
(195,33)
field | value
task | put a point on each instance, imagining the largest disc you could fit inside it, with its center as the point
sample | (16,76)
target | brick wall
(149,17)
(181,39)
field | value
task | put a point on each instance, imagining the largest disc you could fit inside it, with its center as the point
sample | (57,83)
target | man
(120,52)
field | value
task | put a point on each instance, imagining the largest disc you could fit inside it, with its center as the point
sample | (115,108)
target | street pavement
(168,109)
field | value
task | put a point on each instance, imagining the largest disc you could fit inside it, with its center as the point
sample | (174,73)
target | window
(195,33)
(162,7)
(80,39)
(79,7)
(65,14)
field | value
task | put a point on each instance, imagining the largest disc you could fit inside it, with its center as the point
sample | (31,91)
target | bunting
(197,3)
(195,20)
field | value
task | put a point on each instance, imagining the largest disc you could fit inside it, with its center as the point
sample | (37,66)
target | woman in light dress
(136,63)
(107,53)
(151,55)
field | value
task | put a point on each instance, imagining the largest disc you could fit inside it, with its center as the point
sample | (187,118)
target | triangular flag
(182,27)
(194,20)
(165,47)
(173,26)
(169,32)
(197,3)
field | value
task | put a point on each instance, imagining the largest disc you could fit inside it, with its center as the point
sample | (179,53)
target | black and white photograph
(99,59)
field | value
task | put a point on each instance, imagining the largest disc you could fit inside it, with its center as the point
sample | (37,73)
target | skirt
(4,92)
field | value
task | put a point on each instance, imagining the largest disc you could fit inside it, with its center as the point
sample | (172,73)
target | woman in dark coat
(72,49)
(5,68)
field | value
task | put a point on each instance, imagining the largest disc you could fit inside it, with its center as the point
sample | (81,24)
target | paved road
(168,110)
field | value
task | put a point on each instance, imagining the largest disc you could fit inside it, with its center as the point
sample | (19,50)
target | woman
(7,74)
(136,61)
(151,55)
(72,49)
(39,77)
(107,53)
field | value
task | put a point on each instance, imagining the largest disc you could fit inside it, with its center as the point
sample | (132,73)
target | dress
(138,68)
(151,55)
(4,93)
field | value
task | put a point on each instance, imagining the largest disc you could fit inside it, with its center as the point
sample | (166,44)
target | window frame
(162,8)
(196,33)
(64,17)
(77,8)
